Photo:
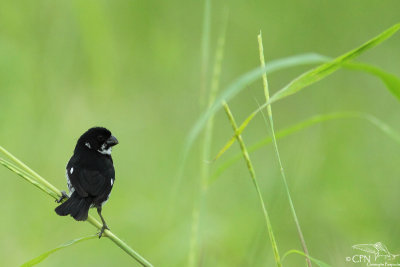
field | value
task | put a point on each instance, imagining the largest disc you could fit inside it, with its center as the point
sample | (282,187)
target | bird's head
(97,139)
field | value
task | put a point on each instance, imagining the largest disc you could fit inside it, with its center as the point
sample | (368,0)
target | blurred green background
(135,67)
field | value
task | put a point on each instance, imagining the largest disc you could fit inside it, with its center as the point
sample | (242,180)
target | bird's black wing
(95,182)
(73,180)
(92,183)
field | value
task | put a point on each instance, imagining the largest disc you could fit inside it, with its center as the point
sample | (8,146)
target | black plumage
(90,175)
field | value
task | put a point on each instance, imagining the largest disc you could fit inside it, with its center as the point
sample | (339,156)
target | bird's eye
(100,138)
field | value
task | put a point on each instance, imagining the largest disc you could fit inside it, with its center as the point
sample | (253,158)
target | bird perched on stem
(90,175)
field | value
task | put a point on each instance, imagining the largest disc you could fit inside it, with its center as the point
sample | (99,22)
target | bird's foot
(63,196)
(102,230)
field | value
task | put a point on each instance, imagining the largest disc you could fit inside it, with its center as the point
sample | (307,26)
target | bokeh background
(135,67)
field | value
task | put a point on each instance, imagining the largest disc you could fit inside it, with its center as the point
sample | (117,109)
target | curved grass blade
(391,81)
(232,90)
(296,85)
(324,70)
(43,256)
(240,83)
(318,262)
(304,125)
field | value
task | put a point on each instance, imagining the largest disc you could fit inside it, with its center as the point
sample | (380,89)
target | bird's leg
(63,196)
(104,222)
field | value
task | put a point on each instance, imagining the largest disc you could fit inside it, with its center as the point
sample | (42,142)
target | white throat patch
(105,151)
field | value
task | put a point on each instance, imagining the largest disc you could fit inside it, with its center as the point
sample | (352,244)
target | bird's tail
(77,206)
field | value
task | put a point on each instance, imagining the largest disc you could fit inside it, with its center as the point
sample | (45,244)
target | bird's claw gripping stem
(102,230)
(63,196)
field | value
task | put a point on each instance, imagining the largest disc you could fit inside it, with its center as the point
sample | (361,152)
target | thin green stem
(26,176)
(192,257)
(271,123)
(205,50)
(198,209)
(254,179)
(30,171)
(30,175)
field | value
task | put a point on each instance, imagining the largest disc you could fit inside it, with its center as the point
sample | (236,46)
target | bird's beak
(112,141)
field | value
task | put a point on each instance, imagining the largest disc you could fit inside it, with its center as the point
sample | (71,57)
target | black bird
(90,175)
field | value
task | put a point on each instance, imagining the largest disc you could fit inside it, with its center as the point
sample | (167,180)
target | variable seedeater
(90,175)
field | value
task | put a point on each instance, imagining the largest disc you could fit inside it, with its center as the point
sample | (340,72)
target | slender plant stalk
(205,50)
(30,171)
(194,236)
(198,209)
(271,123)
(205,47)
(254,179)
(31,176)
(26,176)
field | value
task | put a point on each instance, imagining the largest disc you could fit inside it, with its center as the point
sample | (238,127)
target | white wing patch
(70,187)
(72,170)
(105,201)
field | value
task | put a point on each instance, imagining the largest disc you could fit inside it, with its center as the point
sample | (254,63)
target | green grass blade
(318,262)
(254,179)
(24,167)
(326,69)
(296,85)
(391,81)
(43,256)
(386,129)
(283,175)
(29,178)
